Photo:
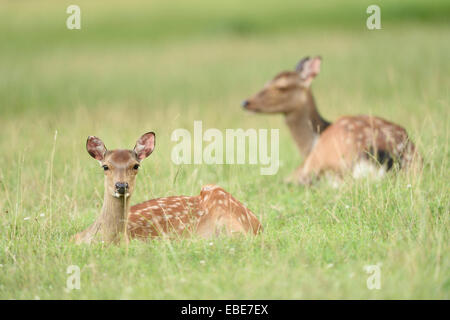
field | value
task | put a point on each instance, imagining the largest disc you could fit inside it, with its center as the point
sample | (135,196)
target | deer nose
(121,187)
(245,104)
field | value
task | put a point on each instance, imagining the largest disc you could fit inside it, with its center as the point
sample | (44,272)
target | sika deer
(206,215)
(359,144)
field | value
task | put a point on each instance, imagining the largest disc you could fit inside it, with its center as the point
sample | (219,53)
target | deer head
(288,91)
(121,166)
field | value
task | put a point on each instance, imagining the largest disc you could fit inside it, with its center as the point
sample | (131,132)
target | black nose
(245,103)
(121,187)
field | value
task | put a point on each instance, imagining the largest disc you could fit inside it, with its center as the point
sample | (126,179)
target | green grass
(141,67)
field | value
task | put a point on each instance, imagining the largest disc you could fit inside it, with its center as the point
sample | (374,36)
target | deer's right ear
(308,69)
(301,64)
(96,148)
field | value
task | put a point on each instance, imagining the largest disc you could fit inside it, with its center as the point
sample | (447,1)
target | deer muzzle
(121,188)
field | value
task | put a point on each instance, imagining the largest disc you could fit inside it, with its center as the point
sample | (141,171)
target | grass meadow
(136,66)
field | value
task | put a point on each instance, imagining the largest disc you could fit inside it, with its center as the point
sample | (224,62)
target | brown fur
(182,216)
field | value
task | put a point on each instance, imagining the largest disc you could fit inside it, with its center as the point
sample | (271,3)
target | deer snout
(245,104)
(250,105)
(121,187)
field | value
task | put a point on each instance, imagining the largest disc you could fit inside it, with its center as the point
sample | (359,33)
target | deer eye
(105,167)
(136,166)
(284,88)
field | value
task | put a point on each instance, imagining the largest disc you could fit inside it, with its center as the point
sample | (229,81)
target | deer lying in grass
(358,144)
(205,215)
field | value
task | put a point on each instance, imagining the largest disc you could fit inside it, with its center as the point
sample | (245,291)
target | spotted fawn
(214,211)
(361,145)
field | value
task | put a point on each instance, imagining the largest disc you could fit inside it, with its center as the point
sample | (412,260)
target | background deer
(206,215)
(359,144)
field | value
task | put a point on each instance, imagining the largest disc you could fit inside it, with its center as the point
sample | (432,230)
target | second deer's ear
(301,64)
(96,148)
(308,69)
(145,145)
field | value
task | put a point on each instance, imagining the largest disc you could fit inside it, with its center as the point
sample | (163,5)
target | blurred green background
(137,66)
(61,67)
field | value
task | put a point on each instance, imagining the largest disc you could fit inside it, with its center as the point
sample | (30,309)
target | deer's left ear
(145,145)
(308,69)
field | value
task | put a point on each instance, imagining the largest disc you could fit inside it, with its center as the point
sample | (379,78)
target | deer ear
(301,64)
(308,69)
(145,145)
(96,148)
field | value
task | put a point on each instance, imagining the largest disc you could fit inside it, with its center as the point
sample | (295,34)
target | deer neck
(306,125)
(113,217)
(110,224)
